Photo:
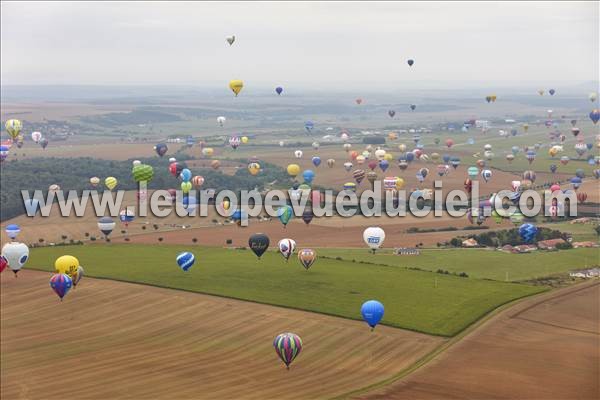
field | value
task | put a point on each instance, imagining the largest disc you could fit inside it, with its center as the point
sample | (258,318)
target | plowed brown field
(110,340)
(544,348)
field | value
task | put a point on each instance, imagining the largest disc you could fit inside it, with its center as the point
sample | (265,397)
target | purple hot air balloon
(279,90)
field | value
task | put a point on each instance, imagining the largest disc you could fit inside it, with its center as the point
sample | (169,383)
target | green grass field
(421,301)
(482,263)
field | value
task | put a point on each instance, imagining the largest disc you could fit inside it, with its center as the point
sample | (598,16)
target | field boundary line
(496,313)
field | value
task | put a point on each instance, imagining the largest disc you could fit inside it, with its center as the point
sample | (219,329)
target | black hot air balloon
(259,243)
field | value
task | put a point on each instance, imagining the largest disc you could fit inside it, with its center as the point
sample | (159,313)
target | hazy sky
(302,44)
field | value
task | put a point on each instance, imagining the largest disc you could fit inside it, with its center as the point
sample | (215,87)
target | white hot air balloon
(287,248)
(16,254)
(221,120)
(298,153)
(36,136)
(374,237)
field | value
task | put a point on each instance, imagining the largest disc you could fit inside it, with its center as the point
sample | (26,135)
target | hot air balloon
(13,127)
(298,154)
(110,182)
(486,174)
(61,284)
(528,232)
(43,142)
(293,170)
(530,155)
(16,254)
(175,169)
(374,237)
(161,149)
(36,136)
(410,62)
(330,162)
(285,214)
(316,161)
(391,113)
(595,115)
(185,260)
(473,172)
(186,187)
(581,197)
(309,126)
(198,181)
(287,248)
(358,101)
(3,263)
(449,142)
(126,216)
(221,120)
(106,225)
(143,173)
(372,312)
(230,39)
(308,176)
(307,216)
(258,243)
(279,90)
(553,167)
(12,231)
(78,275)
(287,346)
(529,175)
(307,258)
(551,91)
(4,150)
(236,86)
(66,265)
(359,175)
(234,142)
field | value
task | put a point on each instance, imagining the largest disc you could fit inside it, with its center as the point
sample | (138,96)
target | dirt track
(544,348)
(112,340)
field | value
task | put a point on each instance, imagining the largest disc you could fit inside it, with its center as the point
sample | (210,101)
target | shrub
(564,246)
(87,234)
(229,241)
(93,238)
(160,239)
(194,240)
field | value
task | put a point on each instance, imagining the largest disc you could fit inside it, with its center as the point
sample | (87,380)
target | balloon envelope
(258,243)
(372,312)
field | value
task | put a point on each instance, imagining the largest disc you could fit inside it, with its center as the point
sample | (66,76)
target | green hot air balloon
(142,173)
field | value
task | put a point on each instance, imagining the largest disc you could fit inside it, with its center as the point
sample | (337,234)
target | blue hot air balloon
(410,62)
(106,225)
(316,161)
(372,312)
(576,182)
(553,168)
(470,141)
(455,162)
(185,260)
(595,116)
(285,214)
(309,126)
(185,175)
(12,231)
(279,90)
(446,158)
(384,165)
(528,232)
(551,91)
(410,156)
(308,176)
(189,203)
(161,149)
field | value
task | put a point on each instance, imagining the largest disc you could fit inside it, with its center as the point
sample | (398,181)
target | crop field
(420,301)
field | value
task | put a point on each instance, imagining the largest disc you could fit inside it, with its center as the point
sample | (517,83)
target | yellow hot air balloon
(254,168)
(293,170)
(186,187)
(208,151)
(388,157)
(392,136)
(110,182)
(525,127)
(236,86)
(244,139)
(553,151)
(399,183)
(13,127)
(402,147)
(66,265)
(493,97)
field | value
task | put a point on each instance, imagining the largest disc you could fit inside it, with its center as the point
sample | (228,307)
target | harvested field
(119,340)
(547,347)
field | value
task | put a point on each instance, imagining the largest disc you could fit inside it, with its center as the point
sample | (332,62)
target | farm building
(585,273)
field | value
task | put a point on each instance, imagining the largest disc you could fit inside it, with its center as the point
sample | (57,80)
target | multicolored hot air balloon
(307,258)
(13,127)
(285,214)
(161,149)
(287,346)
(61,284)
(16,254)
